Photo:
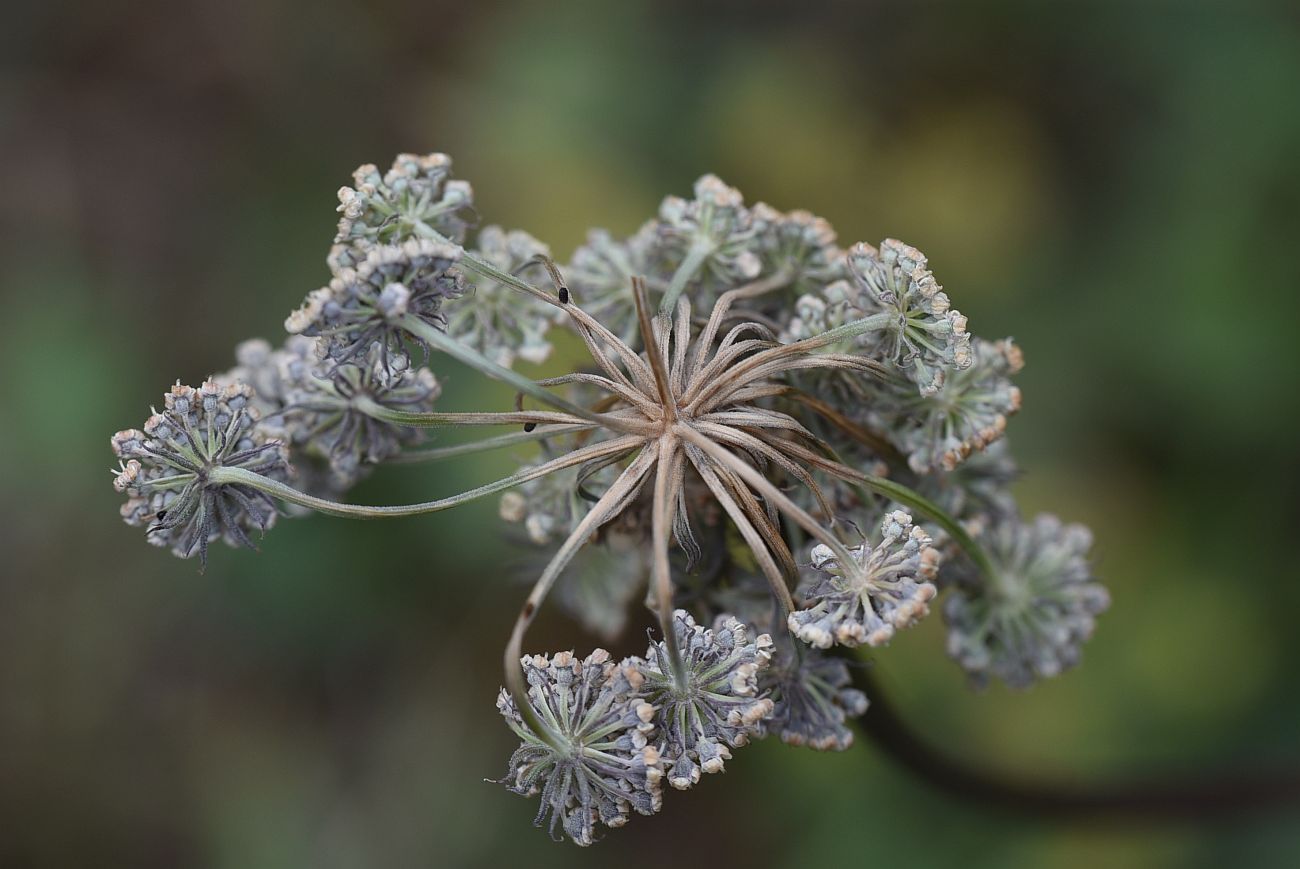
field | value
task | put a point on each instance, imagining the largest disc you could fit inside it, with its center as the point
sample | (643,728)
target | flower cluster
(497,321)
(751,385)
(372,303)
(170,471)
(335,419)
(926,337)
(1030,619)
(703,247)
(340,412)
(608,734)
(966,414)
(594,761)
(416,194)
(865,598)
(812,697)
(708,703)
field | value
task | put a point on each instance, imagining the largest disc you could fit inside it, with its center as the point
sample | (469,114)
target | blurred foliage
(1114,184)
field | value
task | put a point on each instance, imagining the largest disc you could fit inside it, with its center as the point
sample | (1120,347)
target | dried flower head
(367,305)
(926,337)
(812,695)
(713,706)
(1031,618)
(831,306)
(272,372)
(496,319)
(966,414)
(417,192)
(257,364)
(595,763)
(709,239)
(600,276)
(748,383)
(166,470)
(338,413)
(883,588)
(801,242)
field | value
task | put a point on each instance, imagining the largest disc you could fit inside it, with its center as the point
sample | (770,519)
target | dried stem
(440,340)
(235,476)
(413,419)
(664,501)
(609,504)
(775,579)
(769,491)
(480,446)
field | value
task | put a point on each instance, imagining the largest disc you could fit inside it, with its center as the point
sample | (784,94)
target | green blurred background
(1117,186)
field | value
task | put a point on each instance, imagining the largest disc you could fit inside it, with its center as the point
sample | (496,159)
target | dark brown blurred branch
(1209,798)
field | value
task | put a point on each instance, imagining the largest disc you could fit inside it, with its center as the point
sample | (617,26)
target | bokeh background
(1117,186)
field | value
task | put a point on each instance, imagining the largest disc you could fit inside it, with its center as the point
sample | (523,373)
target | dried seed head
(362,307)
(386,209)
(801,242)
(257,363)
(714,226)
(714,231)
(1031,619)
(966,414)
(272,372)
(886,587)
(716,704)
(499,321)
(165,469)
(602,766)
(813,697)
(329,408)
(926,338)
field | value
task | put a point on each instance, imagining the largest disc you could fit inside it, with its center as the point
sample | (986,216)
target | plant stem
(375,410)
(276,489)
(440,340)
(661,506)
(695,258)
(625,487)
(480,446)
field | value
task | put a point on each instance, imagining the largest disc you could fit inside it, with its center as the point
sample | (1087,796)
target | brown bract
(693,403)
